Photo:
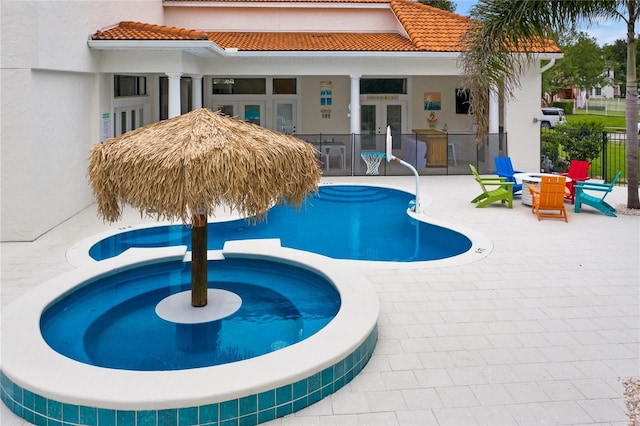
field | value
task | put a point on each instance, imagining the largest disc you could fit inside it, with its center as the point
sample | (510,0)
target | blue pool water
(342,222)
(112,323)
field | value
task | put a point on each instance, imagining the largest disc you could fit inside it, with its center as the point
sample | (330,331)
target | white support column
(354,107)
(354,121)
(174,93)
(196,91)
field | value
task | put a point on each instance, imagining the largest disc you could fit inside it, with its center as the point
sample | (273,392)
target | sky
(604,33)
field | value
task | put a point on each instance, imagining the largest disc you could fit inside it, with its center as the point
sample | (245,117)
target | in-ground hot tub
(39,384)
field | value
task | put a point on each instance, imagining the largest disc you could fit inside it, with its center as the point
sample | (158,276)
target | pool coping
(31,364)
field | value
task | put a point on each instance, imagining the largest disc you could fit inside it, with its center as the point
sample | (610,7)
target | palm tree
(506,26)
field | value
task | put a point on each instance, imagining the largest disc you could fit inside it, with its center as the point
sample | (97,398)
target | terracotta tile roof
(128,30)
(429,30)
(348,42)
(256,41)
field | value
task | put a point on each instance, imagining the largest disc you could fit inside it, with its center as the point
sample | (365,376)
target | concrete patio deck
(538,332)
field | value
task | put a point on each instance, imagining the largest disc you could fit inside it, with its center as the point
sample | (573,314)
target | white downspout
(549,65)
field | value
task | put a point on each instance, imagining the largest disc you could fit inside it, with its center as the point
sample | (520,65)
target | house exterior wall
(51,107)
(446,86)
(278,19)
(55,91)
(312,121)
(523,133)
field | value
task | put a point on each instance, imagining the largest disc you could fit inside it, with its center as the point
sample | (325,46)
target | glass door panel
(253,113)
(248,111)
(228,109)
(394,120)
(285,117)
(368,127)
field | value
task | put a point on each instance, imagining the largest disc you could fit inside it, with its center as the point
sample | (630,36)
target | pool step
(344,193)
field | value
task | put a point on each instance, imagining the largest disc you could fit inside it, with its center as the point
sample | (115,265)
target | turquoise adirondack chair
(597,202)
(503,192)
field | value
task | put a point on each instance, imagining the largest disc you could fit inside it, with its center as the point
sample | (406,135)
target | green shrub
(572,141)
(567,106)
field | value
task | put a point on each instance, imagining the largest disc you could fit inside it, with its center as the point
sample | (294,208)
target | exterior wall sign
(105,127)
(383,97)
(326,93)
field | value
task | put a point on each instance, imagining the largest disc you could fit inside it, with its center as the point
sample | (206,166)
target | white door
(252,112)
(375,117)
(127,118)
(286,116)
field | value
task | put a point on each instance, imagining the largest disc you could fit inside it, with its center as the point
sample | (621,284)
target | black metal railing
(609,156)
(430,153)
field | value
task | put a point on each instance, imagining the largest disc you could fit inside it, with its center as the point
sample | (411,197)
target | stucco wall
(523,133)
(44,157)
(51,107)
(312,121)
(446,87)
(310,18)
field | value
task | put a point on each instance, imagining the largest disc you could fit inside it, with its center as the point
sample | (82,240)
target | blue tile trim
(246,411)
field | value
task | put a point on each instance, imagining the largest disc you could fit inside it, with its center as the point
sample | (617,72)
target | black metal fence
(607,152)
(430,153)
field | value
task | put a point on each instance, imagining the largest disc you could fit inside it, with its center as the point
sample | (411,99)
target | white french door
(127,118)
(375,116)
(286,112)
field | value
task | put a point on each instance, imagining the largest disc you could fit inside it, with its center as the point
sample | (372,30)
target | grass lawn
(616,160)
(610,123)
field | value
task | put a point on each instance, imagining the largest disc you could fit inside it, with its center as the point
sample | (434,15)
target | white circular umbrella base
(177,307)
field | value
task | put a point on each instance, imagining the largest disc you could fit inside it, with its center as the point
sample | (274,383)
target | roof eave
(307,54)
(197,47)
(206,48)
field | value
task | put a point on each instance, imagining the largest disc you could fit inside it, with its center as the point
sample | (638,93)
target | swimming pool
(353,222)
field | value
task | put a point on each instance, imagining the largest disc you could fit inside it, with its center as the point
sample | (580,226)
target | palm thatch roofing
(192,163)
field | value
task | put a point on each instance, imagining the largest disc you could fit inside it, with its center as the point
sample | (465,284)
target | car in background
(550,117)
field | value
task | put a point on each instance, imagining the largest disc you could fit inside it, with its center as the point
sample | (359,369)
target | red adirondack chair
(578,171)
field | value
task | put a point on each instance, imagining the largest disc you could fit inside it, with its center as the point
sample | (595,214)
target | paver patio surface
(537,332)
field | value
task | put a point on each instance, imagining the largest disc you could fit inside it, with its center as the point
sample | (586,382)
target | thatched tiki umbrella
(182,168)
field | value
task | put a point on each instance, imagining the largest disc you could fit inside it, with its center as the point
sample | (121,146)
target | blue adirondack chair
(597,202)
(504,169)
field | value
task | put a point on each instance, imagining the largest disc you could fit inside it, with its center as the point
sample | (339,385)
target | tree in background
(615,54)
(506,26)
(440,4)
(556,79)
(584,57)
(582,66)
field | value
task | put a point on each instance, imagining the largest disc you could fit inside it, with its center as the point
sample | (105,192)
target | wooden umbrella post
(199,278)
